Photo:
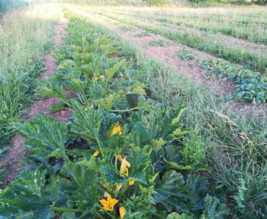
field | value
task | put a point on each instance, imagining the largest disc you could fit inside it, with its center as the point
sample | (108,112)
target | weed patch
(185,54)
(162,43)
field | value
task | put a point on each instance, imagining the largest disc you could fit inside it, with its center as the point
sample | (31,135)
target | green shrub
(10,4)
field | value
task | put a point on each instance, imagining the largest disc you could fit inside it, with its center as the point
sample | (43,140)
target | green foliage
(27,197)
(175,215)
(10,4)
(46,137)
(20,64)
(251,86)
(185,54)
(158,2)
(136,157)
(159,43)
(214,209)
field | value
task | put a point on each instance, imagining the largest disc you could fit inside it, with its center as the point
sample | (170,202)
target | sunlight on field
(45,12)
(138,112)
(25,36)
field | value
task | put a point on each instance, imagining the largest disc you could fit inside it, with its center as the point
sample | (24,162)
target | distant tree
(6,5)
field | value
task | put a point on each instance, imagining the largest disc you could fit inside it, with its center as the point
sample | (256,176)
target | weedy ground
(232,136)
(25,37)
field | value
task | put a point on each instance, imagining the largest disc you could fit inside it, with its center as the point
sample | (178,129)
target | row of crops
(251,86)
(122,155)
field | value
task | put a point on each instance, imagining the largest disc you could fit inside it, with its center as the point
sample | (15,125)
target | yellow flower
(118,187)
(108,205)
(100,77)
(119,157)
(122,211)
(124,167)
(96,153)
(131,182)
(116,130)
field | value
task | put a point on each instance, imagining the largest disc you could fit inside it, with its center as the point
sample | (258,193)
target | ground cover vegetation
(122,155)
(143,142)
(23,42)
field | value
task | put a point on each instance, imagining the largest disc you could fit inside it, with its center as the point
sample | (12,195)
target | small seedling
(159,43)
(143,34)
(185,54)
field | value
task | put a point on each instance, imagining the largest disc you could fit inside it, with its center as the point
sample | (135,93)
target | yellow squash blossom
(122,211)
(124,167)
(131,182)
(116,130)
(119,157)
(108,205)
(96,153)
(118,187)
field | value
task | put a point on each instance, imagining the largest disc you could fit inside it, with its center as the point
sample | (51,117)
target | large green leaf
(214,209)
(86,122)
(46,136)
(173,193)
(25,198)
(80,185)
(111,71)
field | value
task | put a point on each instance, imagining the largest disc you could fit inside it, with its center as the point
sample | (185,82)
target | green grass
(249,25)
(25,38)
(237,152)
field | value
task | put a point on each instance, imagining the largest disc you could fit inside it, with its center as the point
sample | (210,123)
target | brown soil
(17,152)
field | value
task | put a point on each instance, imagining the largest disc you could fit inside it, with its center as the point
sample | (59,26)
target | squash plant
(250,86)
(122,155)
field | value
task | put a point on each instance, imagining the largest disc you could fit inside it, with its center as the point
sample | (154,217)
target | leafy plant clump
(185,54)
(159,43)
(250,86)
(122,155)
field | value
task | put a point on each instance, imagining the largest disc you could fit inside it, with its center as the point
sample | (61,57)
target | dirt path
(17,152)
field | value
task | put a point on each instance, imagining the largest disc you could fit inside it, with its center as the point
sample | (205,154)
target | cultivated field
(141,112)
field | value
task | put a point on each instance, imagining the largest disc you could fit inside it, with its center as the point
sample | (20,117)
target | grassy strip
(24,39)
(196,40)
(236,144)
(239,26)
